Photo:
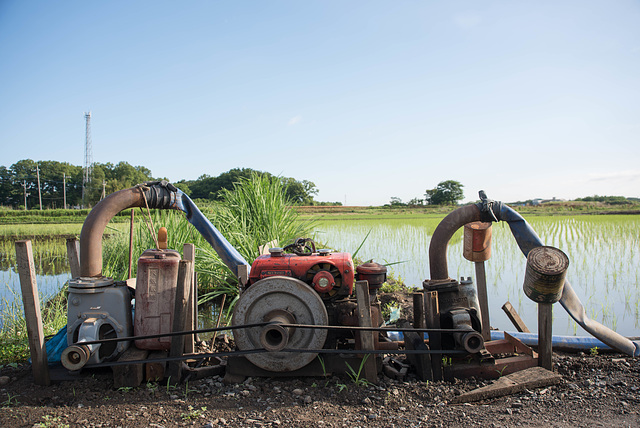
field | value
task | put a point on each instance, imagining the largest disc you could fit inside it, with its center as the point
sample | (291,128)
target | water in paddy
(604,254)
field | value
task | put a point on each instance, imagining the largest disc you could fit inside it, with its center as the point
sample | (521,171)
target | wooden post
(189,253)
(418,310)
(477,248)
(174,369)
(33,318)
(515,318)
(545,351)
(481,279)
(73,251)
(131,243)
(415,341)
(543,283)
(366,337)
(432,311)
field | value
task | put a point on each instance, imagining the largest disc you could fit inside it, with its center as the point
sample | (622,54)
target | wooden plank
(32,315)
(432,315)
(481,280)
(515,318)
(534,377)
(545,351)
(421,362)
(174,368)
(243,275)
(418,310)
(155,370)
(189,253)
(73,251)
(130,375)
(492,370)
(366,337)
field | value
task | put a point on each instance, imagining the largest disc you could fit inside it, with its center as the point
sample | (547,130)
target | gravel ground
(602,390)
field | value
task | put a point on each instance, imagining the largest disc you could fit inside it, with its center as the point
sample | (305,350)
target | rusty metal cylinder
(477,241)
(545,274)
(374,273)
(155,297)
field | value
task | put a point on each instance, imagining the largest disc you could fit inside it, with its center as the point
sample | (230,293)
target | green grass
(48,216)
(14,343)
(39,230)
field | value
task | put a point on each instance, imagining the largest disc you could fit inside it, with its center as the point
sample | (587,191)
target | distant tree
(8,191)
(415,202)
(207,187)
(299,192)
(396,201)
(613,200)
(446,193)
(184,186)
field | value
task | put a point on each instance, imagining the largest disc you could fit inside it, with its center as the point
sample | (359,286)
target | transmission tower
(88,157)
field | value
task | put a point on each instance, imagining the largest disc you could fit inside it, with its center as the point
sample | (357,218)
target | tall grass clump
(254,212)
(257,211)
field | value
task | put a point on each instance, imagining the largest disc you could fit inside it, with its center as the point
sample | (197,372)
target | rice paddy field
(604,254)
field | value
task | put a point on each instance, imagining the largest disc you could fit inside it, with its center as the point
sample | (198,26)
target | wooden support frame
(366,337)
(483,300)
(545,351)
(32,314)
(73,255)
(191,323)
(513,315)
(432,314)
(174,368)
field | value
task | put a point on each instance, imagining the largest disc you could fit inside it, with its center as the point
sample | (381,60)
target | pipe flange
(88,285)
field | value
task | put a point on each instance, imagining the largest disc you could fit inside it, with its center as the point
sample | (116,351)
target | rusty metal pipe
(95,223)
(158,195)
(442,235)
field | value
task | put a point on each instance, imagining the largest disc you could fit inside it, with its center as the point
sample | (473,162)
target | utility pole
(24,186)
(39,192)
(88,161)
(64,189)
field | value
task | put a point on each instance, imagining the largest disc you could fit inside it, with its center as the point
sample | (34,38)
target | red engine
(330,274)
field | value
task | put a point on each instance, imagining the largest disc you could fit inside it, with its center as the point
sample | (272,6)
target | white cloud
(294,120)
(615,176)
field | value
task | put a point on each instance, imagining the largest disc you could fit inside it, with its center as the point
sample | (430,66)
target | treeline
(60,180)
(208,187)
(611,200)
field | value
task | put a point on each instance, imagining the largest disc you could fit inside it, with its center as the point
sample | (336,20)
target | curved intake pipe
(159,195)
(487,210)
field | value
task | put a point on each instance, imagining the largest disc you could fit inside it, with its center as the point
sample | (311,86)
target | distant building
(538,201)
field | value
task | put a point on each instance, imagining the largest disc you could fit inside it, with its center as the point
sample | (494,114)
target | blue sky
(368,100)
